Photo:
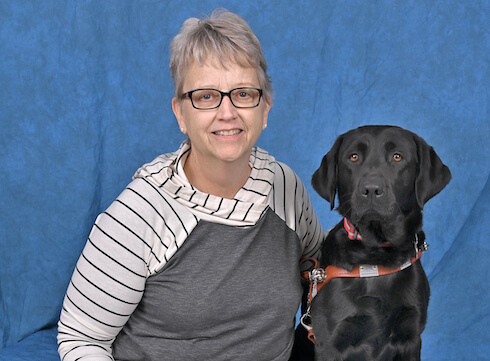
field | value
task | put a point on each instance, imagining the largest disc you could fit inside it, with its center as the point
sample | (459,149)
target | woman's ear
(267,108)
(177,109)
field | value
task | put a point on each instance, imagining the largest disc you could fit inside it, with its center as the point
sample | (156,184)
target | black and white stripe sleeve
(131,240)
(292,203)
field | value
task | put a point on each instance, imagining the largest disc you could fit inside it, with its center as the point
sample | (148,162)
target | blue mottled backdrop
(85,99)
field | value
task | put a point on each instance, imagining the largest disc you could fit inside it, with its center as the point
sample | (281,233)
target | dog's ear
(432,176)
(324,180)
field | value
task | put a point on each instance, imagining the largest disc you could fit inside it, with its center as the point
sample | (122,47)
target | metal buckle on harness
(420,247)
(306,321)
(318,275)
(315,276)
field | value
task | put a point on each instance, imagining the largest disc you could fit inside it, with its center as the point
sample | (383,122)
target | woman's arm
(106,286)
(292,203)
(129,241)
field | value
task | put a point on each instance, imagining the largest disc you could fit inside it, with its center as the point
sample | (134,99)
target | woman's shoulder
(266,159)
(283,176)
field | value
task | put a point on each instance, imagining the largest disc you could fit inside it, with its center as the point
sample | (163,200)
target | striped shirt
(148,223)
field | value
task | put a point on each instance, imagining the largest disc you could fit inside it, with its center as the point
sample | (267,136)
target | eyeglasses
(212,98)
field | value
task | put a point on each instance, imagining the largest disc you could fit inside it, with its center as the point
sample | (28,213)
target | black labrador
(383,176)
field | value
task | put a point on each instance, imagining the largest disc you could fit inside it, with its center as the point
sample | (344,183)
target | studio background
(85,99)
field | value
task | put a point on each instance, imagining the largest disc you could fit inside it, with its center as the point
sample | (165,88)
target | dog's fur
(383,176)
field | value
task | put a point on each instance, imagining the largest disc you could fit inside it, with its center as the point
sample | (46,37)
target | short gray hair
(224,35)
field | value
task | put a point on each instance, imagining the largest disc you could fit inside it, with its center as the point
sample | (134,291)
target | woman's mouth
(228,132)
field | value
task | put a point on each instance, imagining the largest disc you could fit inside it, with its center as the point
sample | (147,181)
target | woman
(197,259)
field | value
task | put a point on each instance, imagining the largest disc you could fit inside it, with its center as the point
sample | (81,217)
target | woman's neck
(222,179)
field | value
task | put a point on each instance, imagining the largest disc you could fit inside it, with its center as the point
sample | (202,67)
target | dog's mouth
(371,216)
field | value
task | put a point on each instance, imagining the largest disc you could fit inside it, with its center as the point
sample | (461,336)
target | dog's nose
(372,189)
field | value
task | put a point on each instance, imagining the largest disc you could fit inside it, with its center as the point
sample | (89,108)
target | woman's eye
(354,157)
(397,157)
(207,96)
(242,94)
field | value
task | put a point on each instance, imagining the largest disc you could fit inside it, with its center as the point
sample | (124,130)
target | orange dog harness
(319,277)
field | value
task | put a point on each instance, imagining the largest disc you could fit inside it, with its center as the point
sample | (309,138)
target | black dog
(383,176)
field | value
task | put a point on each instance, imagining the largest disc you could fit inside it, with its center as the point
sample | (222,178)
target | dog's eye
(397,157)
(354,157)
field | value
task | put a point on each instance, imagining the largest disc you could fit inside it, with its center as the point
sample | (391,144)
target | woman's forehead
(213,73)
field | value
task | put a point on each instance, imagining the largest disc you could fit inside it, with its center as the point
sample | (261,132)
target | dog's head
(380,171)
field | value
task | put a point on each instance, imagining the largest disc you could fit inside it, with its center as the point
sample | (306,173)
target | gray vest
(229,293)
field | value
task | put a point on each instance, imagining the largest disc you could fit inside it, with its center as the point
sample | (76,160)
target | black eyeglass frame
(228,94)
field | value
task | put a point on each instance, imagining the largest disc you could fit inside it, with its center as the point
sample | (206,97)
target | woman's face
(224,134)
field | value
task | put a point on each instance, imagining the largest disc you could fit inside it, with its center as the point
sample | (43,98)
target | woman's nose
(226,109)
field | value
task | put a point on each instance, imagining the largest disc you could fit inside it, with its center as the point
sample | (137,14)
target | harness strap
(319,277)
